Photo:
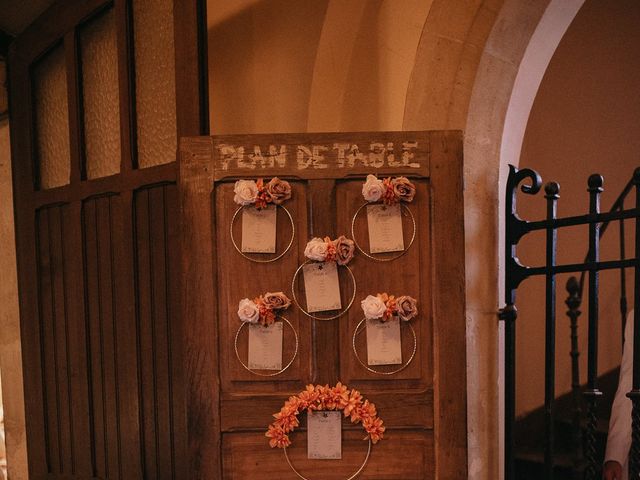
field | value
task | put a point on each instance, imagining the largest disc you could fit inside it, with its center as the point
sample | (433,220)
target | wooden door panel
(401,456)
(422,407)
(240,278)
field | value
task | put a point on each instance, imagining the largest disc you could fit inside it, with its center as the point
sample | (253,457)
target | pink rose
(279,190)
(407,307)
(316,249)
(373,189)
(276,300)
(246,192)
(403,189)
(248,311)
(373,307)
(344,249)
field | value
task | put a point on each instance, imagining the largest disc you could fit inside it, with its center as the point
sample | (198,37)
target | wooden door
(229,408)
(96,222)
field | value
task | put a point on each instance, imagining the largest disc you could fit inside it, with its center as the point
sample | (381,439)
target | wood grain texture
(424,407)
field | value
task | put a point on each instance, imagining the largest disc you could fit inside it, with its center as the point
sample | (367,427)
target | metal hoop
(333,317)
(235,245)
(354,475)
(295,353)
(369,255)
(373,370)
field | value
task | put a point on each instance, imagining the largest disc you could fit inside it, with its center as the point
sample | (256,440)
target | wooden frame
(200,168)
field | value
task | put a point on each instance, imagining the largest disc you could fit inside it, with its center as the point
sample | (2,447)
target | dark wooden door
(100,92)
(229,408)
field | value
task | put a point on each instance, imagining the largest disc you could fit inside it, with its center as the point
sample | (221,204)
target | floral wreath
(384,307)
(319,397)
(390,190)
(262,309)
(249,192)
(340,250)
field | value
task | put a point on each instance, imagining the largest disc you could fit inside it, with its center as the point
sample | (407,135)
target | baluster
(552,190)
(573,301)
(623,278)
(592,393)
(634,394)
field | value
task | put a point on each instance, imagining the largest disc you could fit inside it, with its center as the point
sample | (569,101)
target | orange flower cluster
(267,317)
(319,397)
(331,250)
(263,196)
(390,302)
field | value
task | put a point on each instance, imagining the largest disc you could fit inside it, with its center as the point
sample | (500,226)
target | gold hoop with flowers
(389,192)
(262,310)
(384,307)
(323,398)
(318,250)
(257,194)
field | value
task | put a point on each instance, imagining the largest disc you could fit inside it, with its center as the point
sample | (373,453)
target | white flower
(246,192)
(248,311)
(373,189)
(373,307)
(316,249)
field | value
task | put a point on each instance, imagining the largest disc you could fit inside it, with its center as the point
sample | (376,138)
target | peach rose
(372,189)
(373,307)
(407,307)
(248,311)
(403,189)
(246,192)
(276,300)
(316,249)
(344,249)
(278,190)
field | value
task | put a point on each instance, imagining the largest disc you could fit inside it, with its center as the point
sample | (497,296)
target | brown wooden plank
(189,24)
(74,102)
(108,333)
(200,335)
(161,337)
(94,328)
(103,185)
(49,357)
(146,337)
(61,336)
(178,405)
(417,411)
(126,347)
(77,341)
(321,155)
(400,455)
(449,306)
(125,86)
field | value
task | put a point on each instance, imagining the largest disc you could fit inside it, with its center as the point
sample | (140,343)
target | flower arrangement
(249,192)
(319,397)
(390,190)
(262,309)
(384,307)
(340,250)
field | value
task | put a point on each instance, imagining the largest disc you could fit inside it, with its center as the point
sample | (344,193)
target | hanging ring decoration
(323,397)
(261,310)
(384,307)
(341,251)
(255,194)
(390,191)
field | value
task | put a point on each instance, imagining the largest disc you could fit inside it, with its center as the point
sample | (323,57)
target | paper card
(383,342)
(265,347)
(324,435)
(259,230)
(385,228)
(322,287)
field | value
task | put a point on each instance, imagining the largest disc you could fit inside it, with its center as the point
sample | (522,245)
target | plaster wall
(584,120)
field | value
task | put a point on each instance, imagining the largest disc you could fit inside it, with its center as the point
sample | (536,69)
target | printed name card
(259,230)
(322,287)
(385,228)
(265,346)
(383,342)
(324,435)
